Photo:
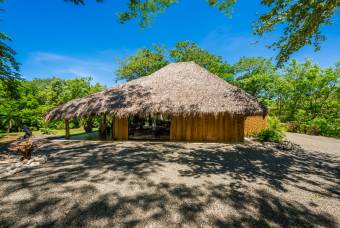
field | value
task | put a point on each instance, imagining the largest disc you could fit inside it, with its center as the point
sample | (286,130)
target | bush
(274,132)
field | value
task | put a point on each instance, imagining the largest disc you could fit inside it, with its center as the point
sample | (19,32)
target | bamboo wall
(120,128)
(254,124)
(222,128)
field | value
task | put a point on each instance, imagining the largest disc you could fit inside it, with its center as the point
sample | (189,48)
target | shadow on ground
(138,184)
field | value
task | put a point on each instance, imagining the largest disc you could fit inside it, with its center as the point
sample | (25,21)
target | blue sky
(54,38)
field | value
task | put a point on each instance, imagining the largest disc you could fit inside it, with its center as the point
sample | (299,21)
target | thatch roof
(176,89)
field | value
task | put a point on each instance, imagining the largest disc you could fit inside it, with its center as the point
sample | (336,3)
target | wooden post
(113,128)
(104,119)
(67,129)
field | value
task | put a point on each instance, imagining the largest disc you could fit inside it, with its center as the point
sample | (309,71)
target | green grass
(9,137)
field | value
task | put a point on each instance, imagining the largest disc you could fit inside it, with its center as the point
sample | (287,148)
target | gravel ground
(315,143)
(171,184)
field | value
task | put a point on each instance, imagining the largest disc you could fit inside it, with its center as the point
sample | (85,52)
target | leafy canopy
(187,51)
(9,67)
(257,76)
(304,95)
(146,61)
(301,20)
(36,97)
(144,10)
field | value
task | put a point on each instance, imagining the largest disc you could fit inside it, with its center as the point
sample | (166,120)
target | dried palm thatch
(183,88)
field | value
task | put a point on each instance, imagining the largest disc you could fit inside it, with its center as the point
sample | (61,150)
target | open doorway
(149,128)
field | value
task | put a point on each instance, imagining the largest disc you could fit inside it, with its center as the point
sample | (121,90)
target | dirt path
(315,143)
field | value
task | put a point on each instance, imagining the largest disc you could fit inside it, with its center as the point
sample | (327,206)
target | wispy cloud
(46,64)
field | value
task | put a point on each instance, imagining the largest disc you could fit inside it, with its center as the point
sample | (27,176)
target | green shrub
(274,132)
(322,126)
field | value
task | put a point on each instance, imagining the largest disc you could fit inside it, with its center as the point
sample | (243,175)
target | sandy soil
(169,184)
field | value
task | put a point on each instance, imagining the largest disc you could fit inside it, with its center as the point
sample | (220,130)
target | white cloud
(46,64)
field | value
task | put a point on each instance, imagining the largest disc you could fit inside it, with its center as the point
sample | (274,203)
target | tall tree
(186,51)
(9,67)
(146,61)
(257,76)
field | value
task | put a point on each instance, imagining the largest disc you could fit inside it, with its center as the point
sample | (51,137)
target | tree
(310,88)
(146,61)
(9,68)
(144,10)
(309,98)
(257,76)
(303,95)
(301,20)
(38,96)
(186,51)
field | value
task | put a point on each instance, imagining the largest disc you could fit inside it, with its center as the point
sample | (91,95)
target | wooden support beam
(67,129)
(104,119)
(113,128)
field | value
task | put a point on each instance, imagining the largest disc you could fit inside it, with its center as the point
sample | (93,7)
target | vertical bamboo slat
(223,128)
(254,124)
(120,128)
(221,120)
(241,129)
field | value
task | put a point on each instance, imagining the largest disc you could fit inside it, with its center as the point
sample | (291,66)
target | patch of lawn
(10,137)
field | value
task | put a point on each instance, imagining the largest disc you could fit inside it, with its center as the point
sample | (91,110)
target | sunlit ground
(88,183)
(9,137)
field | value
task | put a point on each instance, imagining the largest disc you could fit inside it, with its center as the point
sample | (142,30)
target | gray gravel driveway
(127,184)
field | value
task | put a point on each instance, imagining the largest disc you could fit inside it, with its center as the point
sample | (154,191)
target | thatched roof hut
(182,89)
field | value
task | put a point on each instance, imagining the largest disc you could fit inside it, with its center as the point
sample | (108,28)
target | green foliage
(257,76)
(147,61)
(301,20)
(304,95)
(274,132)
(144,10)
(9,67)
(36,97)
(186,51)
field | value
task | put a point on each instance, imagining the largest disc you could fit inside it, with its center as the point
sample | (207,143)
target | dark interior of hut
(150,128)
